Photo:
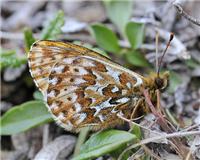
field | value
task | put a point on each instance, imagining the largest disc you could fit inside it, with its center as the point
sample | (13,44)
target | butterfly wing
(80,86)
(44,55)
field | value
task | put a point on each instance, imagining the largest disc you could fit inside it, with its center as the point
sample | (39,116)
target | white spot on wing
(58,69)
(123,100)
(101,117)
(51,94)
(128,84)
(53,81)
(81,117)
(100,90)
(79,81)
(82,71)
(93,88)
(53,106)
(115,89)
(139,81)
(68,60)
(61,116)
(77,107)
(103,105)
(114,73)
(87,63)
(97,75)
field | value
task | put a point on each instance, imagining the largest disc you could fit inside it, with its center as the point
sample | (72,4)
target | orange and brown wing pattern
(81,87)
(44,55)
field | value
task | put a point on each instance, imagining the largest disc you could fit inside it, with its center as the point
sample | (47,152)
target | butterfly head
(161,82)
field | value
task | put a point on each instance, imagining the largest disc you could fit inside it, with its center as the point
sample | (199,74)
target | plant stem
(81,139)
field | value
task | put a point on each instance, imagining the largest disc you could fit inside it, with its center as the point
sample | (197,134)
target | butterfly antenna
(164,52)
(157,37)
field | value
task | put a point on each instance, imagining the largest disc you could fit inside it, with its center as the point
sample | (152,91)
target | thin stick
(151,106)
(81,139)
(151,153)
(185,15)
(156,138)
(182,149)
(191,127)
(133,123)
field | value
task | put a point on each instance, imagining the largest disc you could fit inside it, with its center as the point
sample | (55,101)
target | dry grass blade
(156,138)
(180,148)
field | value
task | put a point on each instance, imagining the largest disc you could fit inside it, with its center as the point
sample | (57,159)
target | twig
(184,14)
(191,127)
(129,121)
(151,153)
(192,150)
(164,124)
(171,117)
(81,139)
(148,101)
(139,151)
(156,138)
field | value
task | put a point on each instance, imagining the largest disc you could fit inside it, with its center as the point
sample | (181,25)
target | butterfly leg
(136,107)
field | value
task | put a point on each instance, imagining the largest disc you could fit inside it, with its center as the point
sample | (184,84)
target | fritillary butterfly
(83,88)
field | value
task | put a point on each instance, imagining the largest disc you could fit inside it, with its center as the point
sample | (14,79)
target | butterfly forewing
(81,87)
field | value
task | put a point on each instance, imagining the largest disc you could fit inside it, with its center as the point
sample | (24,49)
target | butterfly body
(83,88)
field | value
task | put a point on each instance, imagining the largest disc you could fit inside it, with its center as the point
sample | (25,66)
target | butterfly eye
(159,82)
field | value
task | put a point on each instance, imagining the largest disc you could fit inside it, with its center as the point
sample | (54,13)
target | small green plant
(10,59)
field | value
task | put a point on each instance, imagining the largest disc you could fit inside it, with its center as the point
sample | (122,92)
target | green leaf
(135,34)
(136,131)
(137,59)
(10,59)
(192,63)
(175,81)
(104,142)
(89,46)
(28,38)
(23,117)
(53,28)
(105,38)
(119,12)
(100,52)
(38,95)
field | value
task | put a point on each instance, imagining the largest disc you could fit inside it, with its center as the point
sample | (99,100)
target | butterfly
(83,88)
